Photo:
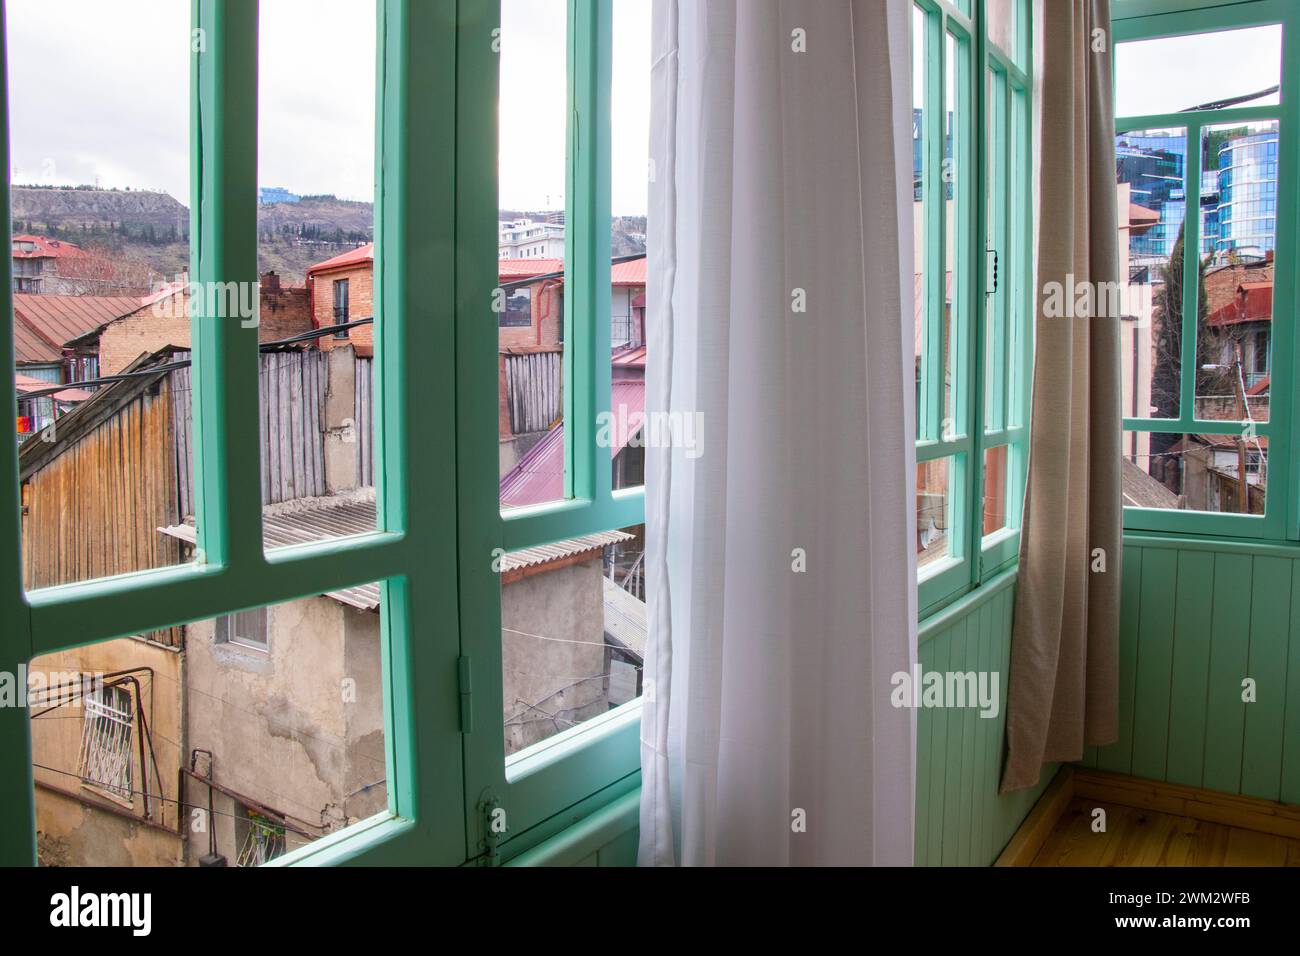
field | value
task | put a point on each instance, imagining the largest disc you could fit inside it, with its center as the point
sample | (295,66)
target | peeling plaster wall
(297,728)
(567,604)
(76,825)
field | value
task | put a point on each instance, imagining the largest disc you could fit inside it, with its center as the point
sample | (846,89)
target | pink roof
(47,248)
(539,475)
(25,384)
(632,357)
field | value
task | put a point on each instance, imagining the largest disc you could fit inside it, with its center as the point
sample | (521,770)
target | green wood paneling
(1154,662)
(1225,713)
(1198,618)
(1270,625)
(1194,608)
(961,820)
(1290,792)
(1118,757)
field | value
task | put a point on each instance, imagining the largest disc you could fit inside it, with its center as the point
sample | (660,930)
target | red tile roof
(43,324)
(539,475)
(47,248)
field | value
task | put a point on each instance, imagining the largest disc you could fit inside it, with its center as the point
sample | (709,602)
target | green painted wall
(1198,618)
(960,818)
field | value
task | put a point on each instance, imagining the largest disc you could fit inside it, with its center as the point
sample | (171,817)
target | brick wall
(361,305)
(548,318)
(282,311)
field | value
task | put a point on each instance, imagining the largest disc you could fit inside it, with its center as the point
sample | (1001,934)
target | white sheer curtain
(781,313)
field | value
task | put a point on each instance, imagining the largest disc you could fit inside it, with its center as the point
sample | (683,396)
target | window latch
(991,277)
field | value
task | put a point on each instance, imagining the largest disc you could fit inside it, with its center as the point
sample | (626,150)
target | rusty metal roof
(43,324)
(308,520)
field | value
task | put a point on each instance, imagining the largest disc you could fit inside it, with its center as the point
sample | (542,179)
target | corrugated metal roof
(538,476)
(25,383)
(353,257)
(43,324)
(307,520)
(629,273)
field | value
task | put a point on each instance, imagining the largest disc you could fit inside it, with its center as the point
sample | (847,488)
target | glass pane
(996,462)
(1195,472)
(1014,267)
(1238,238)
(995,285)
(275,755)
(1150,171)
(935,483)
(315,250)
(1200,70)
(629,204)
(1000,19)
(573,632)
(100,245)
(956,123)
(531,251)
(919,173)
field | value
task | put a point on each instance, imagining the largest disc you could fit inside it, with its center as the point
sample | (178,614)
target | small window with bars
(105,759)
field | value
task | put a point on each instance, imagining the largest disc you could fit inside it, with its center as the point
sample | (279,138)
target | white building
(526,239)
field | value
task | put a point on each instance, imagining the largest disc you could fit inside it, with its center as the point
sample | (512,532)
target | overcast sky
(1164,76)
(99,92)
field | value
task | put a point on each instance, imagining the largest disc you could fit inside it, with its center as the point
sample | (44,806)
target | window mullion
(589,474)
(224,224)
(1191,271)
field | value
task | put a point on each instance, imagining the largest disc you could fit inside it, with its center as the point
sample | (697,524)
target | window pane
(996,470)
(276,754)
(935,485)
(100,245)
(1000,17)
(629,204)
(1171,74)
(1151,170)
(315,250)
(1238,238)
(533,110)
(920,139)
(572,632)
(1014,269)
(996,353)
(1194,472)
(956,123)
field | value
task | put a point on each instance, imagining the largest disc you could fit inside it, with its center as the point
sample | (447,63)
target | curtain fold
(1063,692)
(780,257)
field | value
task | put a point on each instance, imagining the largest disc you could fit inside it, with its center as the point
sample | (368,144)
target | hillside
(153,227)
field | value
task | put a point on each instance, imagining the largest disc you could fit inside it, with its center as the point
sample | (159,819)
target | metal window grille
(105,758)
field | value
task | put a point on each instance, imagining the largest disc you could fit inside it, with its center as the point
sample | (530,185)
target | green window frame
(990,339)
(439,524)
(1152,19)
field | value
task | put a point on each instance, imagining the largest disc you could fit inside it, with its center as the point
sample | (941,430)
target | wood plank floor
(1136,837)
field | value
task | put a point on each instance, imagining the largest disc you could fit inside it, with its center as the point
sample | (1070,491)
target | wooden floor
(1140,837)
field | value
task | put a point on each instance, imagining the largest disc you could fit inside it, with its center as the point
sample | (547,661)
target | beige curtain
(1064,663)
